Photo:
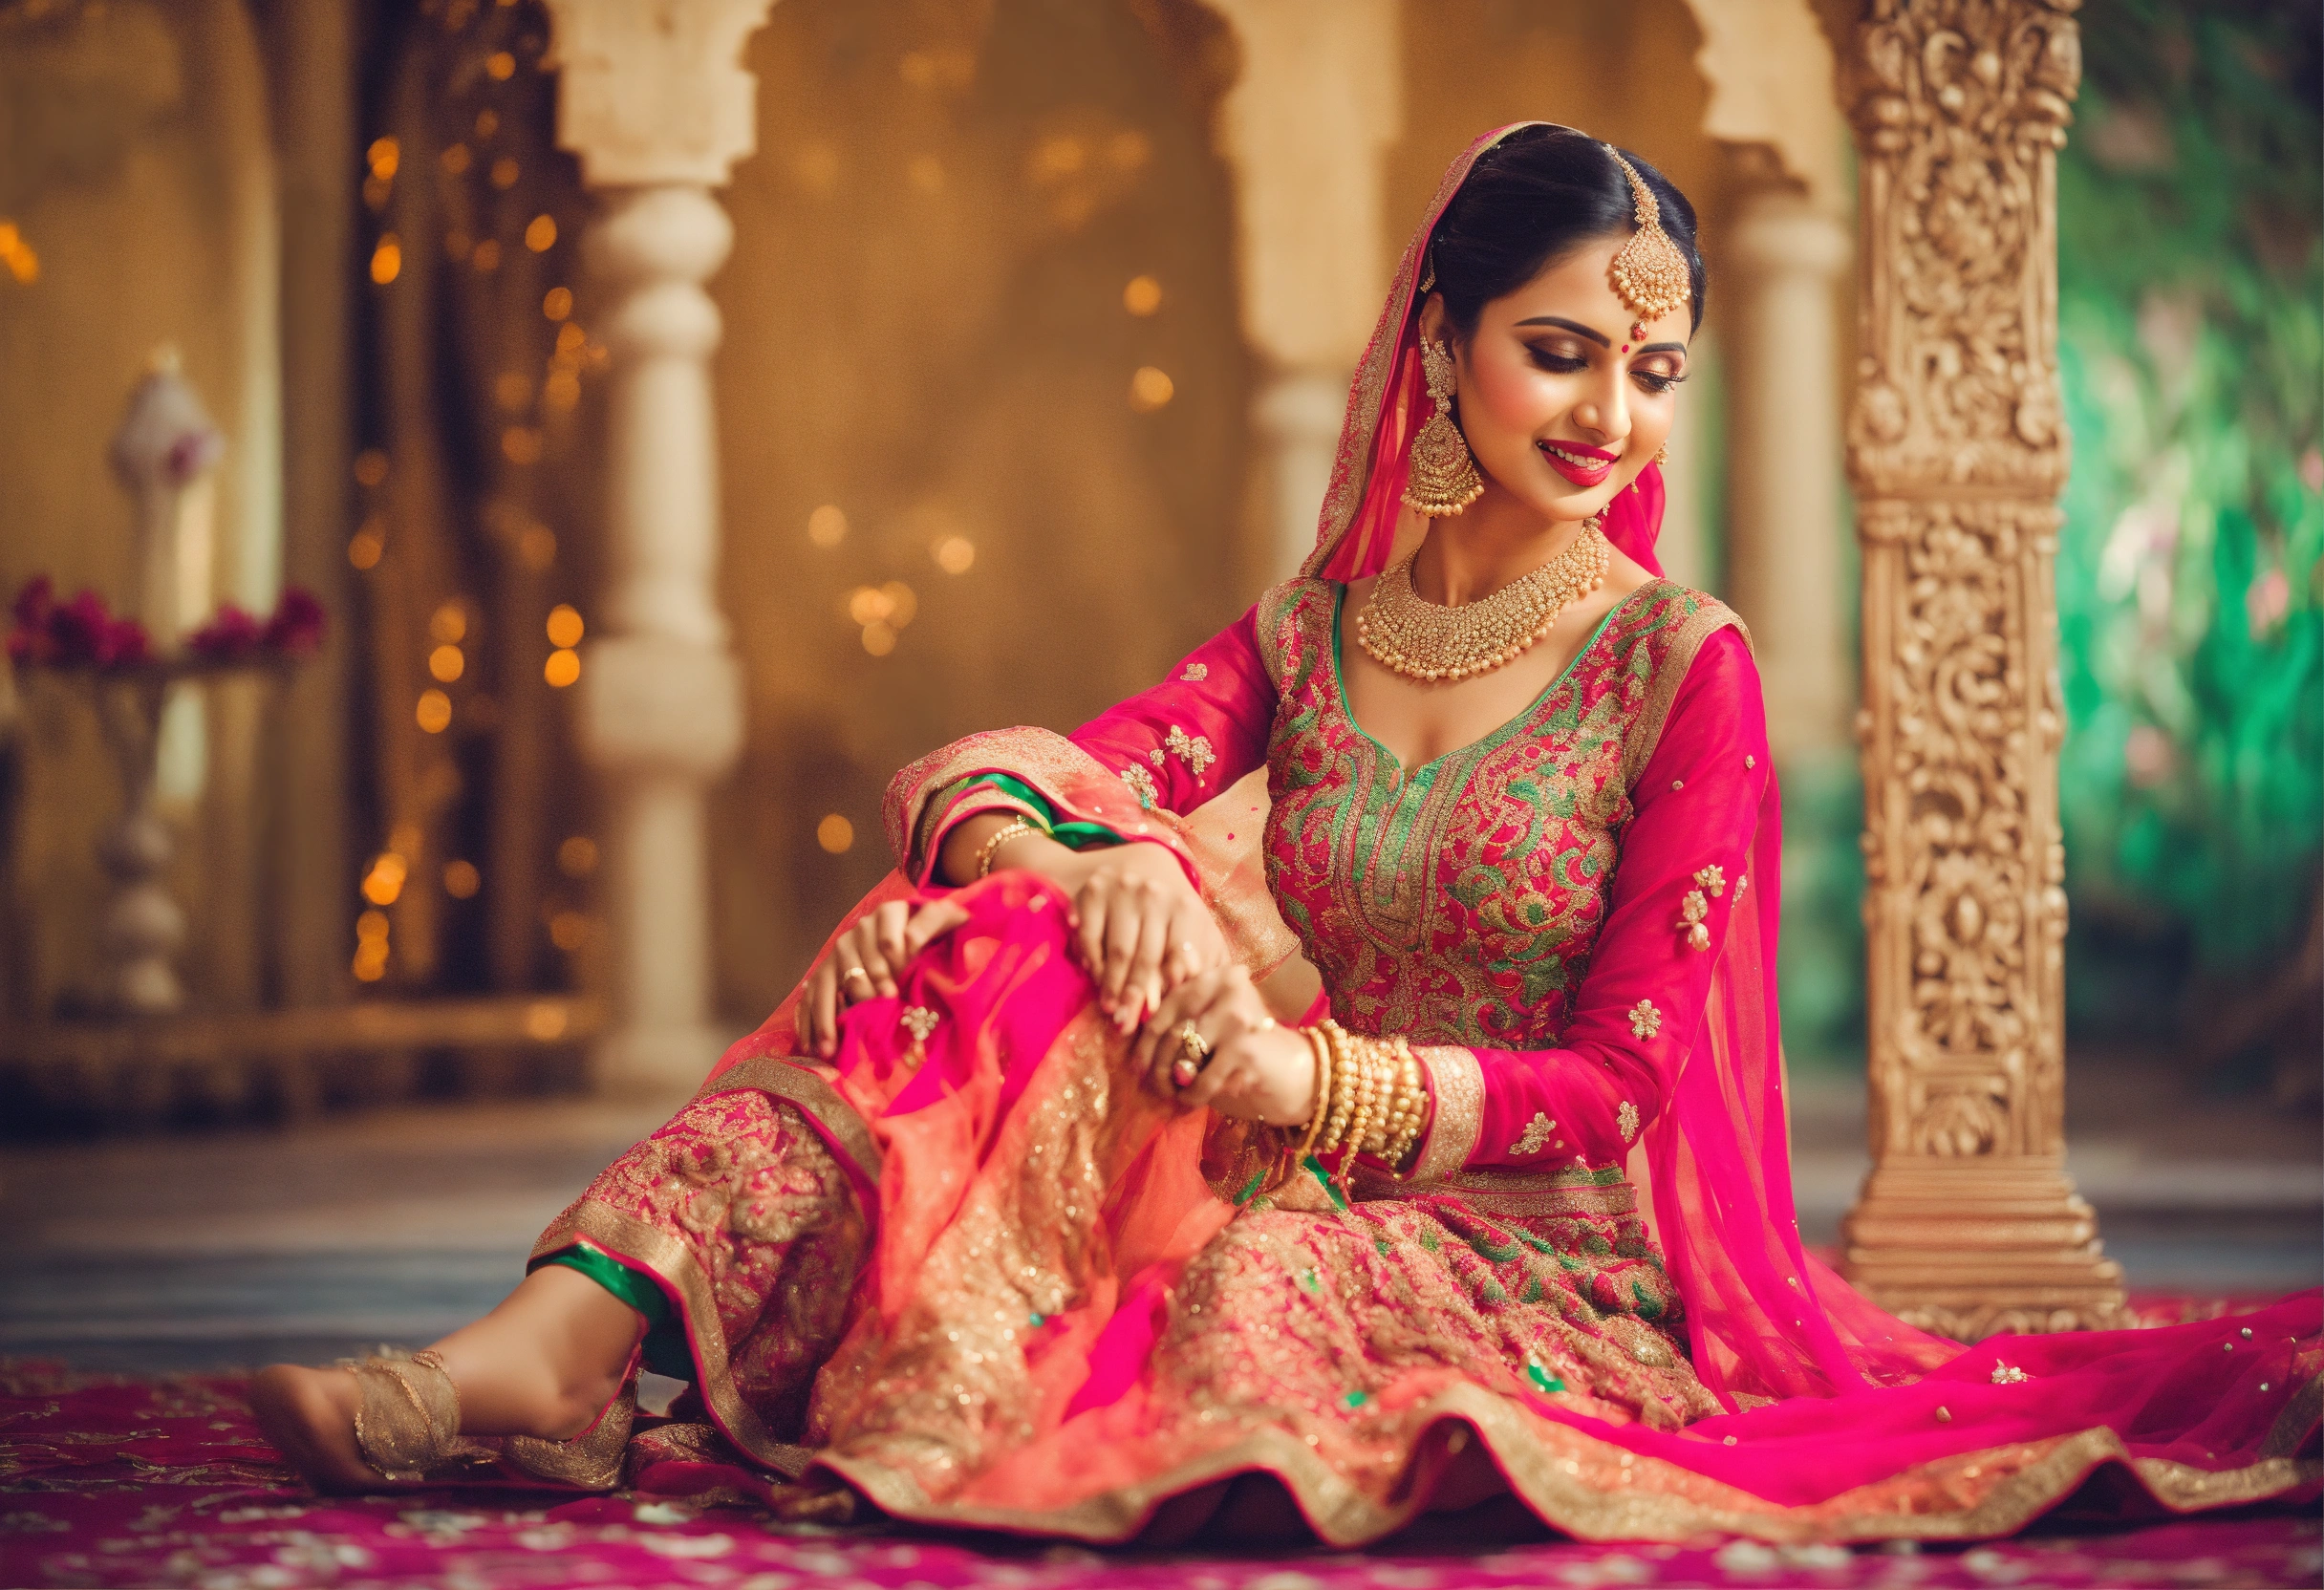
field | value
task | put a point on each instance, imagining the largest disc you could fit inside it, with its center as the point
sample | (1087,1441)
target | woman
(1066,1197)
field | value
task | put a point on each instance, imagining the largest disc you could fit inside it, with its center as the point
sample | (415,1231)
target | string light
(387,259)
(826,526)
(565,627)
(954,554)
(545,1021)
(462,880)
(569,931)
(521,444)
(434,713)
(505,172)
(457,158)
(371,467)
(562,668)
(488,122)
(882,610)
(487,256)
(384,881)
(577,856)
(449,624)
(537,546)
(501,65)
(382,158)
(364,547)
(446,663)
(541,235)
(836,835)
(1142,296)
(557,301)
(371,947)
(1149,389)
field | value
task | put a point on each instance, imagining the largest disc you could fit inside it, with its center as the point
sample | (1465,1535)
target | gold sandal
(407,1422)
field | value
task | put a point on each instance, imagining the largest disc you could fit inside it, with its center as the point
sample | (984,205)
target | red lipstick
(1567,459)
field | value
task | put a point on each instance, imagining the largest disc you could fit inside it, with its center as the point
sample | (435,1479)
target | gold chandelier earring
(1443,479)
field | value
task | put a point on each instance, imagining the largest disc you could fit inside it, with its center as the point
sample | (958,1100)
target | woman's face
(1561,404)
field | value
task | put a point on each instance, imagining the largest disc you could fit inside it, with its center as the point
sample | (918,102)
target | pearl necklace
(1422,641)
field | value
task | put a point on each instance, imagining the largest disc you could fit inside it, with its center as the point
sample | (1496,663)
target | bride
(1146,1157)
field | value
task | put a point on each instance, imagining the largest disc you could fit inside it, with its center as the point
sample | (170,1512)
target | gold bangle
(1016,828)
(1342,1087)
(1321,1047)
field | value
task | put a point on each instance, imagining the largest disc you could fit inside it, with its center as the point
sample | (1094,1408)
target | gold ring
(1193,1044)
(854,972)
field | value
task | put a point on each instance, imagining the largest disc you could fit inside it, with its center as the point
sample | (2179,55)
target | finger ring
(854,972)
(1184,1072)
(1191,1039)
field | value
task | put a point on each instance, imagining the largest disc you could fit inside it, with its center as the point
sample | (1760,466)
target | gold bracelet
(1016,828)
(1359,1126)
(1321,1047)
(1412,1101)
(1342,1087)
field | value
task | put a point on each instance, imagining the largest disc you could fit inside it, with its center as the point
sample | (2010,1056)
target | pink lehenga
(976,1272)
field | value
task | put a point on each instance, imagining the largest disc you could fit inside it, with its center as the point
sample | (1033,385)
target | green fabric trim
(666,1349)
(1075,836)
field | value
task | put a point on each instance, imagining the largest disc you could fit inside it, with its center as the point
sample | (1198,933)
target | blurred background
(1034,348)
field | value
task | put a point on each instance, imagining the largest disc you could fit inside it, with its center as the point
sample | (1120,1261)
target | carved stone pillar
(653,100)
(1306,129)
(1967,1224)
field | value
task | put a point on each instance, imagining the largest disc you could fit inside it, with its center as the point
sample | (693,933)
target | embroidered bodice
(1458,902)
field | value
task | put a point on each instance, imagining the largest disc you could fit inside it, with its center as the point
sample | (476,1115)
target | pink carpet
(106,1482)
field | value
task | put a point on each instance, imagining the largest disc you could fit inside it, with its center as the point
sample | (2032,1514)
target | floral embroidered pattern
(919,1021)
(1536,1133)
(1195,673)
(1625,1120)
(2010,1374)
(1645,1020)
(1712,879)
(1458,902)
(1692,913)
(1141,785)
(1195,751)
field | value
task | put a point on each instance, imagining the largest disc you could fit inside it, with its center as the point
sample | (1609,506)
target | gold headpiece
(1648,273)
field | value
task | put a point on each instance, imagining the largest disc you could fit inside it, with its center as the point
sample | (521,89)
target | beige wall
(925,327)
(133,157)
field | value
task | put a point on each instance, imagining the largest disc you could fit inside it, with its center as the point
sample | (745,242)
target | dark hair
(1534,197)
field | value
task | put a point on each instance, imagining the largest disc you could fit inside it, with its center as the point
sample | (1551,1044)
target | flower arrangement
(83,632)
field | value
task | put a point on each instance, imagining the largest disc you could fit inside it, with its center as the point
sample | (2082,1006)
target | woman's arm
(1640,1007)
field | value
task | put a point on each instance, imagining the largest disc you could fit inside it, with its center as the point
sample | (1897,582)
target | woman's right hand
(866,961)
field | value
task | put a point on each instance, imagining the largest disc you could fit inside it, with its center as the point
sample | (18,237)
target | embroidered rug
(106,1481)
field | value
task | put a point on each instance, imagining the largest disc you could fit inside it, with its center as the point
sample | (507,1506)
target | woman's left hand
(1255,1070)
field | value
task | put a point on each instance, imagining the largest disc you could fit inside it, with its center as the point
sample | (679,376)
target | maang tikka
(1649,275)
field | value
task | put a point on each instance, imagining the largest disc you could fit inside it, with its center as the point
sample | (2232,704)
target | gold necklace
(1422,641)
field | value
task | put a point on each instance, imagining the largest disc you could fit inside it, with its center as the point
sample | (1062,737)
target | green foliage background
(2191,276)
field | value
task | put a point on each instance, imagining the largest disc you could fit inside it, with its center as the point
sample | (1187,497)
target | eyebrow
(1574,326)
(1663,348)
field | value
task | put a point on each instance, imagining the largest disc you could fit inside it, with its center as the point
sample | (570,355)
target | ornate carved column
(1305,128)
(1967,1224)
(654,101)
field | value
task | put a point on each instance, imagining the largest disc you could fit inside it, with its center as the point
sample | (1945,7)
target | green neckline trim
(1478,747)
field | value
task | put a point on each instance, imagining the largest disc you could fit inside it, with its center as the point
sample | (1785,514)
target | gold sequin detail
(1195,751)
(1712,879)
(1645,1020)
(1141,784)
(1195,673)
(1625,1120)
(1536,1133)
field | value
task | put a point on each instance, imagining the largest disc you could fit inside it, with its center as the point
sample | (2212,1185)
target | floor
(242,1247)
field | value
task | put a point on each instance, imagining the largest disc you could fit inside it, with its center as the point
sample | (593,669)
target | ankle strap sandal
(408,1421)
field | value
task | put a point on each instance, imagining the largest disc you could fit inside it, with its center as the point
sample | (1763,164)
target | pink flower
(296,629)
(230,635)
(85,632)
(30,641)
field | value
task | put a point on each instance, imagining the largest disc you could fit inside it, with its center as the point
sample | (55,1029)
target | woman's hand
(865,961)
(1257,1070)
(1139,925)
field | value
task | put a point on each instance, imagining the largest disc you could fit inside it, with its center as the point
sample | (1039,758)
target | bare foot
(310,1415)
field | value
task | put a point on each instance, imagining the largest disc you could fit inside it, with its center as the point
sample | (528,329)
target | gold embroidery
(1670,672)
(1712,879)
(1691,913)
(1195,673)
(919,1020)
(1458,1084)
(1625,1120)
(792,1081)
(1536,1133)
(1195,751)
(1141,785)
(1645,1020)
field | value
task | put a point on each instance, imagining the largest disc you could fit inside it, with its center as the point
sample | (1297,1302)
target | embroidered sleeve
(1682,868)
(1204,726)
